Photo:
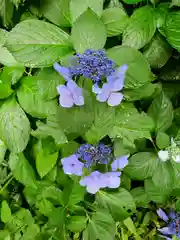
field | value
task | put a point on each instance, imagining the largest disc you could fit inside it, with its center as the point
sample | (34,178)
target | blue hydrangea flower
(173,224)
(110,90)
(93,154)
(71,165)
(70,94)
(96,180)
(92,64)
(63,71)
(120,163)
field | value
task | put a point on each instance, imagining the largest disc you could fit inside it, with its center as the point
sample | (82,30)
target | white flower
(177,159)
(163,155)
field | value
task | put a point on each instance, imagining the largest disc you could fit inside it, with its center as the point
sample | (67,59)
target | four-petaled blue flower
(70,94)
(173,224)
(110,90)
(120,163)
(92,64)
(71,165)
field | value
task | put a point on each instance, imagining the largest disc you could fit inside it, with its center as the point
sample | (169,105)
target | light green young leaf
(175,3)
(5,90)
(131,227)
(32,96)
(14,126)
(120,204)
(5,212)
(88,31)
(138,72)
(78,7)
(37,48)
(6,12)
(161,110)
(142,165)
(11,75)
(141,28)
(45,162)
(49,129)
(103,122)
(56,11)
(115,20)
(172,29)
(22,170)
(101,226)
(162,140)
(76,223)
(158,52)
(131,125)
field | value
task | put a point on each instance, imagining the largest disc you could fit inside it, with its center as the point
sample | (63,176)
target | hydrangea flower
(110,90)
(70,94)
(71,165)
(92,64)
(120,163)
(93,154)
(96,180)
(163,155)
(173,224)
(63,71)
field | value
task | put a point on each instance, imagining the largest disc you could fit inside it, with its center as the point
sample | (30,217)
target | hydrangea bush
(89,120)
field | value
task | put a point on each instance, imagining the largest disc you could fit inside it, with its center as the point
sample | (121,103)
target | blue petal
(172,214)
(162,215)
(166,231)
(63,71)
(115,99)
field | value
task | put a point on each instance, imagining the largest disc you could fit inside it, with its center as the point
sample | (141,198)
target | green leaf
(142,165)
(69,148)
(100,227)
(161,11)
(5,212)
(45,207)
(103,122)
(45,162)
(131,227)
(138,72)
(5,90)
(56,11)
(131,125)
(6,12)
(78,7)
(175,3)
(140,197)
(3,35)
(145,91)
(120,204)
(7,59)
(49,129)
(11,75)
(161,110)
(17,2)
(132,1)
(172,29)
(76,223)
(141,28)
(115,20)
(88,31)
(37,48)
(158,52)
(14,126)
(33,96)
(21,169)
(162,140)
(3,149)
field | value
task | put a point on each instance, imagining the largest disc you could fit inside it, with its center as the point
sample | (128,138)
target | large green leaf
(141,28)
(172,29)
(161,110)
(120,204)
(22,170)
(88,31)
(115,20)
(138,72)
(37,48)
(104,117)
(78,7)
(35,97)
(161,11)
(142,165)
(6,12)
(5,212)
(56,11)
(5,90)
(11,75)
(14,126)
(140,197)
(101,226)
(76,223)
(158,52)
(131,125)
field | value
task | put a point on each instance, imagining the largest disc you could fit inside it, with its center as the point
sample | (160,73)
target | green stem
(6,184)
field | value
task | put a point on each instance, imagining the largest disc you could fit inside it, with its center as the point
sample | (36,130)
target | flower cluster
(96,66)
(89,156)
(173,224)
(172,152)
